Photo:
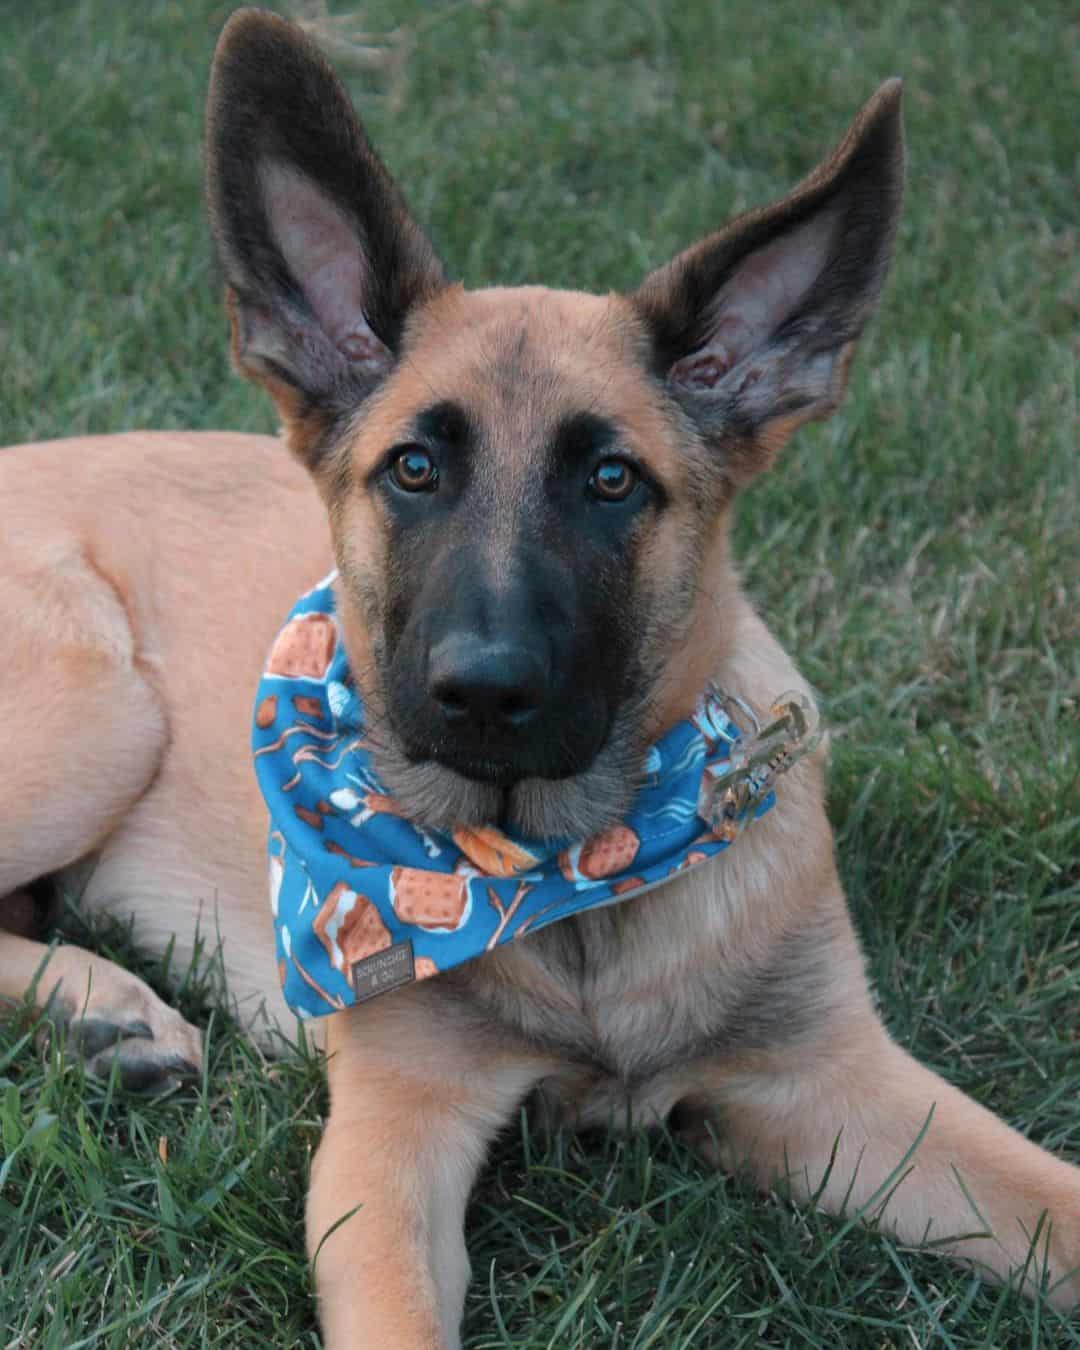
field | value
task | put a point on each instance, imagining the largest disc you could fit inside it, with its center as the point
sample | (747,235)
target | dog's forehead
(503,334)
(518,362)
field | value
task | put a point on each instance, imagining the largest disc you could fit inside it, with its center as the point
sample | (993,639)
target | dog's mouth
(498,772)
(443,787)
(501,765)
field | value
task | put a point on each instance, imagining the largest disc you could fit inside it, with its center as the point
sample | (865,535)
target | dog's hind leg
(84,734)
(416,1096)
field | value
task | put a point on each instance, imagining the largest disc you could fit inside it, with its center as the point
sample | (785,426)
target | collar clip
(733,790)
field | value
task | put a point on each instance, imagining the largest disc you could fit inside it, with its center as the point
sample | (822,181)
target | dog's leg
(110,1013)
(415,1099)
(841,1117)
(83,736)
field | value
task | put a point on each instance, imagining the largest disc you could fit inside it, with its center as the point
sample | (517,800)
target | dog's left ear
(323,263)
(754,327)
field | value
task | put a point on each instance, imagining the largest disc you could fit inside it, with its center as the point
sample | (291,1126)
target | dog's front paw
(112,1017)
(150,1055)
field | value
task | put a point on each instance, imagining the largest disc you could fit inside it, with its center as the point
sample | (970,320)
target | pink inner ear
(364,349)
(763,291)
(325,255)
(703,369)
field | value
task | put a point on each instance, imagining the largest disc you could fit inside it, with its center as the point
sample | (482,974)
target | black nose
(495,686)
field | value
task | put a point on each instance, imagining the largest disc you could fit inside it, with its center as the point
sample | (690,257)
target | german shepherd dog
(527,493)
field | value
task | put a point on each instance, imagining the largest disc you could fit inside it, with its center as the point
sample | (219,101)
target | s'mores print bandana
(364,901)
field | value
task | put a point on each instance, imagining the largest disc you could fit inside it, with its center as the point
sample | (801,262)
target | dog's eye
(613,480)
(414,470)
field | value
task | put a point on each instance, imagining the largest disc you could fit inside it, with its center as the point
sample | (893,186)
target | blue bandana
(365,901)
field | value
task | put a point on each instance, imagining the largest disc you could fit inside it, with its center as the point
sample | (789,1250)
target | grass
(919,553)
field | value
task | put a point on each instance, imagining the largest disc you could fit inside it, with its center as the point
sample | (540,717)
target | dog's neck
(704,656)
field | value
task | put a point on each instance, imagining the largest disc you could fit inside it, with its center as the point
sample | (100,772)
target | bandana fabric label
(365,902)
(384,971)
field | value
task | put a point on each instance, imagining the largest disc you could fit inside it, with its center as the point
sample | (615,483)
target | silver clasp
(732,790)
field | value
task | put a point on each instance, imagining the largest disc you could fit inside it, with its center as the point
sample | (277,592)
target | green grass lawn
(919,553)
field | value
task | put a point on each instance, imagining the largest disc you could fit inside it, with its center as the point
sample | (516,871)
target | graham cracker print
(349,927)
(431,900)
(304,648)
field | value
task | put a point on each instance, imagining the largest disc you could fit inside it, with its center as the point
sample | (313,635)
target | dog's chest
(627,990)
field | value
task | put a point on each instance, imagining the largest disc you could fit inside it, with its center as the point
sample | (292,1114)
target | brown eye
(414,470)
(613,480)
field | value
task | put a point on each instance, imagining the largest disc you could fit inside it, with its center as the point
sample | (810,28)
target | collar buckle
(733,789)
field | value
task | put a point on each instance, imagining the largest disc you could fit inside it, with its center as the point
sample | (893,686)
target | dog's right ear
(322,260)
(754,327)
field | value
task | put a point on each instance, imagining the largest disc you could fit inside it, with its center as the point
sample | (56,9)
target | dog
(527,495)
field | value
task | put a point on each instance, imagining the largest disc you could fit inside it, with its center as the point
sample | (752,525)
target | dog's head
(527,488)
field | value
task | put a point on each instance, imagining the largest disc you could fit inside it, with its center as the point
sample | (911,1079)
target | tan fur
(158,577)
